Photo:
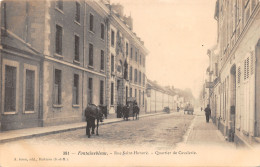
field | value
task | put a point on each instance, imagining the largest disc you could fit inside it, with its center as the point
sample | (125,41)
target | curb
(68,129)
(189,130)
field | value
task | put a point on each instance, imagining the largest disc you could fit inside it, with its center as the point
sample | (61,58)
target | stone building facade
(126,52)
(56,58)
(236,85)
(21,64)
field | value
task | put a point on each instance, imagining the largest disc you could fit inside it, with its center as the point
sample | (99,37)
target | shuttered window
(91,22)
(57,86)
(131,53)
(136,56)
(101,96)
(131,73)
(77,16)
(10,88)
(140,77)
(102,31)
(246,68)
(112,38)
(143,79)
(76,89)
(58,43)
(76,48)
(112,94)
(90,90)
(130,92)
(126,48)
(59,4)
(29,90)
(90,53)
(102,60)
(136,75)
(112,64)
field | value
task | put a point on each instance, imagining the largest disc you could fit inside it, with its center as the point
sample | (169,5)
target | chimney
(106,2)
(129,21)
(118,8)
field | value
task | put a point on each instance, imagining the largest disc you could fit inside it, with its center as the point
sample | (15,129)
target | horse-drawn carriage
(130,103)
(166,109)
(131,109)
(189,109)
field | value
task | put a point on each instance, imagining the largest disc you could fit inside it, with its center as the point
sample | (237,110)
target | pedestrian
(207,113)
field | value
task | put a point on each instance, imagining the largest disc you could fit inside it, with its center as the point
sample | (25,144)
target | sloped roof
(11,42)
(156,86)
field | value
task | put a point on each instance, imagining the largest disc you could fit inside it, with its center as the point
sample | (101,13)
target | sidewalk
(12,135)
(202,133)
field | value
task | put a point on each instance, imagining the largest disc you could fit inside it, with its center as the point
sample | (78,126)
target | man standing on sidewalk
(207,113)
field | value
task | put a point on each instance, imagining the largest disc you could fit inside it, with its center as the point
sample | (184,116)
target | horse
(125,111)
(136,111)
(92,113)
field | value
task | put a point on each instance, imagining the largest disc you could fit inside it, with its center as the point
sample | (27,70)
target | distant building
(159,97)
(212,84)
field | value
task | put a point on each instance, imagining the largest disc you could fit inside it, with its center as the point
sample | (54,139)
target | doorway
(232,103)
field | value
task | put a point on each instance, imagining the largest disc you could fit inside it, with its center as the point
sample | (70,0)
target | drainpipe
(106,58)
(83,59)
(0,69)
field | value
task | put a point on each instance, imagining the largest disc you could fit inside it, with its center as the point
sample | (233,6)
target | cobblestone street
(162,131)
(117,140)
(162,139)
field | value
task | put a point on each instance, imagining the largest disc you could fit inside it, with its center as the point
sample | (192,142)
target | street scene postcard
(129,83)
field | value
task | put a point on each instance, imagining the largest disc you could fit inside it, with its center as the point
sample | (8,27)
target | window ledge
(102,71)
(75,105)
(90,66)
(58,55)
(29,112)
(57,105)
(9,113)
(92,32)
(102,39)
(76,62)
(59,10)
(78,23)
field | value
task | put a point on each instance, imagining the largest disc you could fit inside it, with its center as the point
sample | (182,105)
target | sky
(177,34)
